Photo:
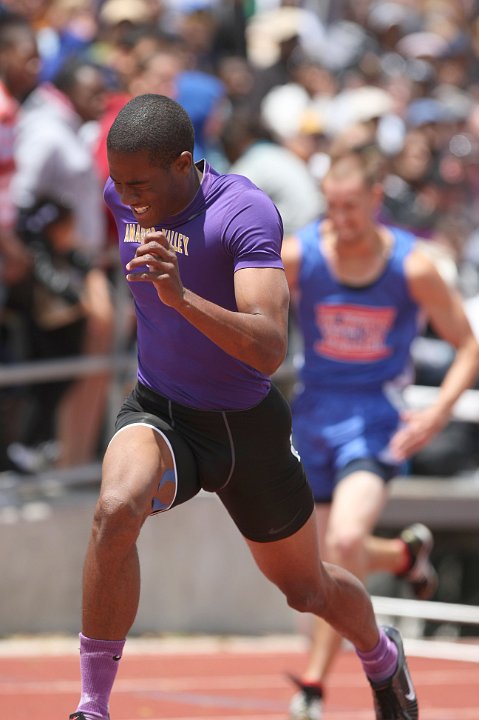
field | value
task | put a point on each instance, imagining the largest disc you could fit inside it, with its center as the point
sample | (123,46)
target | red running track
(216,680)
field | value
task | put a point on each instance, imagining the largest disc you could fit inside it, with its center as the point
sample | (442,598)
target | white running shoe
(421,576)
(307,703)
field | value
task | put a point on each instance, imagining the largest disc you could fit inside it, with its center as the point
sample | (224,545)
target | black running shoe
(395,699)
(421,576)
(78,715)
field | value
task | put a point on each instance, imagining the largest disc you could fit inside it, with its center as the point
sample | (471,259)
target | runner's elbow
(272,357)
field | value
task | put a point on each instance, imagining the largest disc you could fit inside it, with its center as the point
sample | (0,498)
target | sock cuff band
(91,645)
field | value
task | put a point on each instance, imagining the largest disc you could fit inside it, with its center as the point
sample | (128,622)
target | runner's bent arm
(256,334)
(444,309)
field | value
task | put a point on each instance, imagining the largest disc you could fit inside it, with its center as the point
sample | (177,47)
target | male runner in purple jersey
(202,257)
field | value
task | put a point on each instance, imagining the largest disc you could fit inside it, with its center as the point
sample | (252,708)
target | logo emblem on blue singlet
(353,332)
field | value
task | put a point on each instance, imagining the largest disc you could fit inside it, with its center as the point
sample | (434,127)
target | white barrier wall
(197,573)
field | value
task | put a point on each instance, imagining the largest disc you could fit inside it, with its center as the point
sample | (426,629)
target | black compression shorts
(244,456)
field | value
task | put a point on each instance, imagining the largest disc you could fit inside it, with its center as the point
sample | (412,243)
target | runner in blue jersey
(361,291)
(201,253)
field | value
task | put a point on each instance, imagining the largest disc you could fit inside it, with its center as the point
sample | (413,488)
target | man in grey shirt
(53,158)
(282,175)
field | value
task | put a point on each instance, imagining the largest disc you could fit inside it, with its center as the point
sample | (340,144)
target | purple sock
(99,660)
(381,663)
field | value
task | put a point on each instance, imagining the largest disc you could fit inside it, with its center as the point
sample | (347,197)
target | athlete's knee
(118,518)
(306,597)
(344,547)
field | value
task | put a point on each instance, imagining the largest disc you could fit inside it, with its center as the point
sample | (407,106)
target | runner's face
(154,193)
(23,64)
(351,207)
(89,93)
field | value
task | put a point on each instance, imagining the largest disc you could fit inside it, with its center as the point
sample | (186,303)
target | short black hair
(10,23)
(240,129)
(67,76)
(46,211)
(154,123)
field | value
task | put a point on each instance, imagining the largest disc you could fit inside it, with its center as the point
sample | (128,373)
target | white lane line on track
(426,714)
(232,682)
(197,646)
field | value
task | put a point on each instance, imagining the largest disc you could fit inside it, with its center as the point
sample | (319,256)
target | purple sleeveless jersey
(229,225)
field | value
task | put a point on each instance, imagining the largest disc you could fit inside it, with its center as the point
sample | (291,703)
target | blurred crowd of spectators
(270,87)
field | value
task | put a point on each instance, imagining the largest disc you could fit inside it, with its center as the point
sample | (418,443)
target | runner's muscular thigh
(136,460)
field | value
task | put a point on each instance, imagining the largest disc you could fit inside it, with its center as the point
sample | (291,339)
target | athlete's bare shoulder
(429,275)
(427,254)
